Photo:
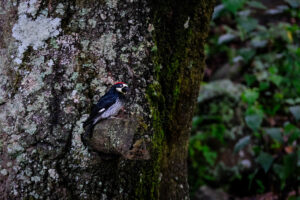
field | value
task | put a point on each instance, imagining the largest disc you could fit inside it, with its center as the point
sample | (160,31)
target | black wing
(103,104)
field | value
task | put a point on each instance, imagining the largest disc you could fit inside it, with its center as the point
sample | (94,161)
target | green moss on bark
(180,31)
(150,180)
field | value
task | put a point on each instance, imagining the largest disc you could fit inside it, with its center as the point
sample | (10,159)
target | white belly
(111,111)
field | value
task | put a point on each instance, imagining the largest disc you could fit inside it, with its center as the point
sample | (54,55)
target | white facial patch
(120,89)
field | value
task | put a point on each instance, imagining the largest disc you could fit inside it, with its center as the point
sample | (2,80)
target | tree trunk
(58,57)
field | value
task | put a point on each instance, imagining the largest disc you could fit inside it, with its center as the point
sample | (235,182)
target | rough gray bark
(56,59)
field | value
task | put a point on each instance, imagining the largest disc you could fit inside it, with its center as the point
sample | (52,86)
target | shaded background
(245,137)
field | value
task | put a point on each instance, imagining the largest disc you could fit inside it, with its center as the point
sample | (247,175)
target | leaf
(289,128)
(264,85)
(258,42)
(293,101)
(250,96)
(226,38)
(251,177)
(247,23)
(154,48)
(247,54)
(233,5)
(265,160)
(256,4)
(290,101)
(261,187)
(217,11)
(295,110)
(294,136)
(217,131)
(288,168)
(254,121)
(276,79)
(210,157)
(273,70)
(279,170)
(196,121)
(242,143)
(250,79)
(289,36)
(254,117)
(293,3)
(292,131)
(275,134)
(278,10)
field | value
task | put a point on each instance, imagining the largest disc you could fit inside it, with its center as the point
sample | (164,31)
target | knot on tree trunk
(115,137)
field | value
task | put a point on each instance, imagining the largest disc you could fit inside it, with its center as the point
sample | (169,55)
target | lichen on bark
(49,85)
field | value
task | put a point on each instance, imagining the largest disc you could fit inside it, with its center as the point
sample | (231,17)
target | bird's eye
(121,85)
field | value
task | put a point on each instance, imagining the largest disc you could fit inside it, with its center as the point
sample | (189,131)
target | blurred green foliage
(246,128)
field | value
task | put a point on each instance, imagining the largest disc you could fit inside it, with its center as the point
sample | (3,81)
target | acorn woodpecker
(108,105)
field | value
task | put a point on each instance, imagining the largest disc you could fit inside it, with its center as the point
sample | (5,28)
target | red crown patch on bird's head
(119,83)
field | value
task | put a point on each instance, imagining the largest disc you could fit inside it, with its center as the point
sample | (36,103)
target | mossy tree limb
(181,28)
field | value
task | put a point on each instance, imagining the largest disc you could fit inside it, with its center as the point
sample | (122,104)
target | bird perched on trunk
(108,105)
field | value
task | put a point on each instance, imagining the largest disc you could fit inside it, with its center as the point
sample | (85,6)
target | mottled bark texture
(58,57)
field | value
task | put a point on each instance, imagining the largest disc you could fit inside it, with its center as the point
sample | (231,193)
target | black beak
(125,89)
